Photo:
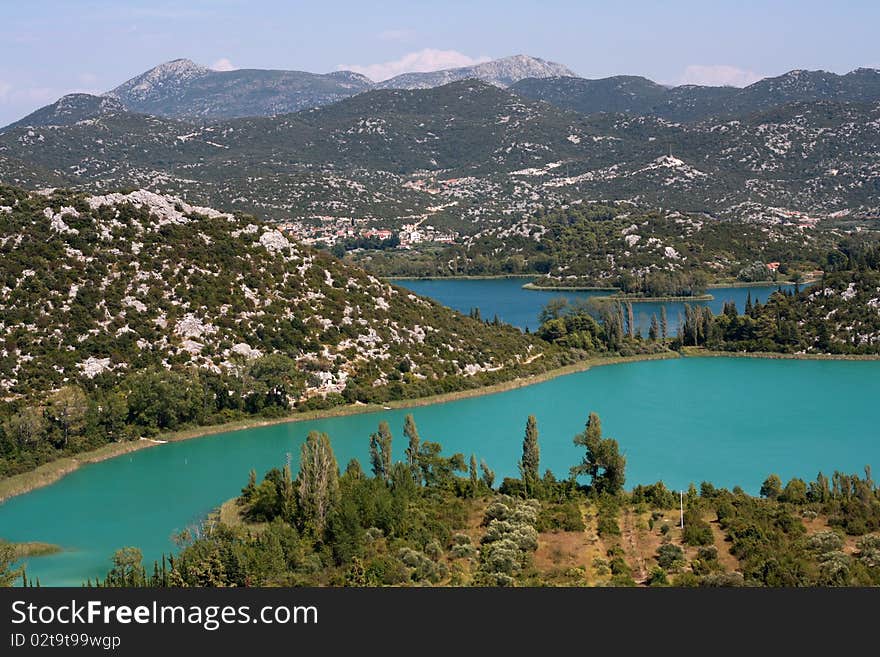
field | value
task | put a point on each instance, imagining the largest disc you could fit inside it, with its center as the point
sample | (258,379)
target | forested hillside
(639,251)
(127,314)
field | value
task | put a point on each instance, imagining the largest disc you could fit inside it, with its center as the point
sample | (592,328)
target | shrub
(670,557)
(657,577)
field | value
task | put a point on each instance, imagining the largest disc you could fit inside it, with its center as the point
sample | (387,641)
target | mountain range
(640,96)
(185,90)
(469,156)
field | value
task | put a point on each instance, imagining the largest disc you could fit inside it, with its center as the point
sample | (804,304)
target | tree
(654,330)
(488,475)
(67,409)
(287,493)
(317,481)
(8,573)
(772,487)
(554,309)
(474,475)
(603,462)
(274,380)
(248,491)
(630,320)
(664,323)
(795,491)
(380,451)
(127,567)
(530,464)
(26,427)
(411,433)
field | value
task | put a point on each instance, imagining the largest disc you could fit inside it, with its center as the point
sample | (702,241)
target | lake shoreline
(459,277)
(699,352)
(49,473)
(564,288)
(703,297)
(661,299)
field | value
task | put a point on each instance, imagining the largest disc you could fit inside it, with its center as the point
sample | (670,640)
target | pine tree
(654,330)
(748,309)
(529,465)
(380,452)
(664,323)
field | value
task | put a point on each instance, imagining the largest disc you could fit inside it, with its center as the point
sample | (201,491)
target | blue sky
(52,47)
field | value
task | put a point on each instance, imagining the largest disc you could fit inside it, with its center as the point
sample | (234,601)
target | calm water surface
(730,421)
(514,305)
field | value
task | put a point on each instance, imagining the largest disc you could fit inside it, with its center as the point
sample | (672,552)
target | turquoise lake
(726,420)
(514,305)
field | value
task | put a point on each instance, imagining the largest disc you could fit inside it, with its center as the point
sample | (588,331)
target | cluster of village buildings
(333,230)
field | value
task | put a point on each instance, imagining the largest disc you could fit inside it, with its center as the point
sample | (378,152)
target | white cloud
(719,75)
(14,95)
(422,61)
(396,35)
(223,64)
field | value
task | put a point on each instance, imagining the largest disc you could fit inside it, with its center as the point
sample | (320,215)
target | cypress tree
(664,323)
(529,465)
(654,330)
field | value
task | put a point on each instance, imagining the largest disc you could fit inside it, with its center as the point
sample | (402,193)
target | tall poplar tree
(475,476)
(380,451)
(317,483)
(411,433)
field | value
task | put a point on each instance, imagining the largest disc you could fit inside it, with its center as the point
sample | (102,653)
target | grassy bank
(34,549)
(49,473)
(565,288)
(701,352)
(806,281)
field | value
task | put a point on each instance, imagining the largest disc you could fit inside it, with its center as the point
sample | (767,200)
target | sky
(52,47)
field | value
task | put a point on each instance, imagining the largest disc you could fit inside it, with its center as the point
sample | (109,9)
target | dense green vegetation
(433,519)
(840,314)
(641,253)
(130,316)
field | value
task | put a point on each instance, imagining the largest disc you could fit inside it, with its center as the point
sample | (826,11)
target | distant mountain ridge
(69,110)
(182,89)
(185,90)
(641,96)
(499,72)
(470,156)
